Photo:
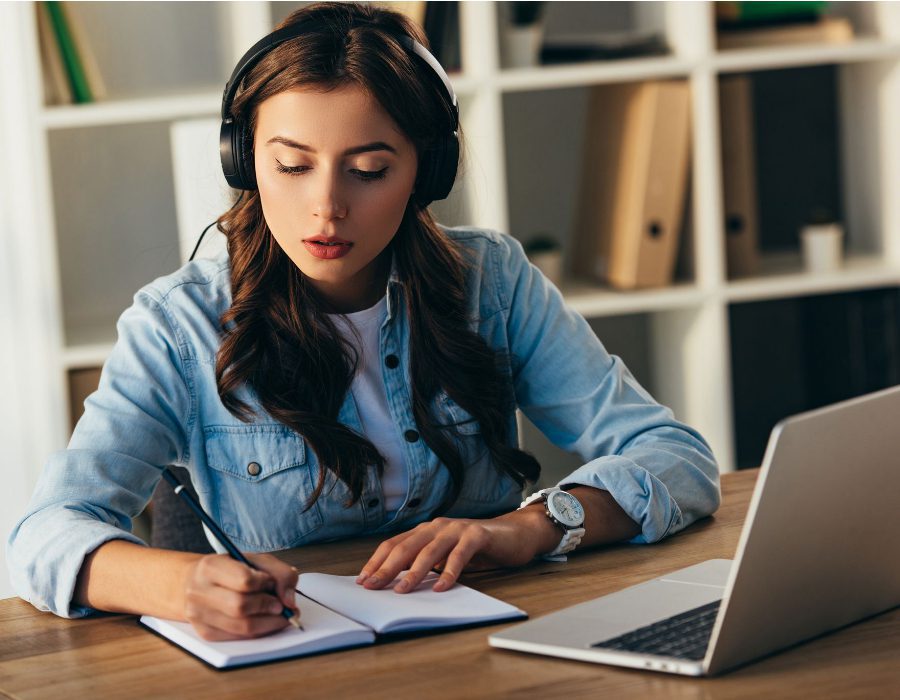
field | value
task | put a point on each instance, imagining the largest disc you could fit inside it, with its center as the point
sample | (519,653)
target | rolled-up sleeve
(660,471)
(133,426)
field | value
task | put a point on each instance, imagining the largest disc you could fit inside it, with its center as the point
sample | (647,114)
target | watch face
(565,508)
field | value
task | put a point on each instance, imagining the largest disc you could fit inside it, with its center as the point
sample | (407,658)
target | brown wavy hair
(278,338)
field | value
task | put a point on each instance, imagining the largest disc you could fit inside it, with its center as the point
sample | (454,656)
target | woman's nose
(330,202)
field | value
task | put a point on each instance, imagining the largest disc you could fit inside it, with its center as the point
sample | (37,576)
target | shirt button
(411,435)
(414,503)
(372,502)
(392,361)
(253,469)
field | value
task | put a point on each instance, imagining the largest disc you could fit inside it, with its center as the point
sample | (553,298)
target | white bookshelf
(96,172)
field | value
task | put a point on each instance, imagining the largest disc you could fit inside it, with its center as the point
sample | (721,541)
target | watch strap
(569,541)
(538,496)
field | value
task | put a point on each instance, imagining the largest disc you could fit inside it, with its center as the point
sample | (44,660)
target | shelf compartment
(110,247)
(798,354)
(822,148)
(551,180)
(122,36)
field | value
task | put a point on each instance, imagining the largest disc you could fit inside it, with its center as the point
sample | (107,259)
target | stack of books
(752,24)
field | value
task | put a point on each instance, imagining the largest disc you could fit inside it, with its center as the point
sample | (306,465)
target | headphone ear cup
(437,171)
(247,163)
(233,150)
(236,155)
(230,167)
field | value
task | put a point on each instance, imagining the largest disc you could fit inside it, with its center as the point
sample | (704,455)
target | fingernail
(373,581)
(403,586)
(276,608)
(295,570)
(362,577)
(440,585)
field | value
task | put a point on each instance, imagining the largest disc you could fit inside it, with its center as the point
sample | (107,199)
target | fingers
(217,626)
(454,541)
(226,599)
(284,576)
(380,554)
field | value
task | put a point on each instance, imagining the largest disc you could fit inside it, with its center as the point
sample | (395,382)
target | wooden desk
(43,656)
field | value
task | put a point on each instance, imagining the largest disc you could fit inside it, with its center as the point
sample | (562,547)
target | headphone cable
(200,240)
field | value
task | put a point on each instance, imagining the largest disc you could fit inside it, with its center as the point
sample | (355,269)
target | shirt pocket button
(411,435)
(253,469)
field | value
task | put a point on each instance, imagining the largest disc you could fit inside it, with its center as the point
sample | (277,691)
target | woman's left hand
(454,544)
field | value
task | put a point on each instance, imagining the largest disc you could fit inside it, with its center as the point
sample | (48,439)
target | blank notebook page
(386,611)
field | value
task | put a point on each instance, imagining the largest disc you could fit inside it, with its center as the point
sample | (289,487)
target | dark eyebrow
(365,148)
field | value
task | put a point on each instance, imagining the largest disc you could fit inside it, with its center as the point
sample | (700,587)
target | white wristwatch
(564,511)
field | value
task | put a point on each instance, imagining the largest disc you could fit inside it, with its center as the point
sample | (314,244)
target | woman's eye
(290,169)
(369,175)
(364,175)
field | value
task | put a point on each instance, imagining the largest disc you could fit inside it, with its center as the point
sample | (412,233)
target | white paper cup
(822,247)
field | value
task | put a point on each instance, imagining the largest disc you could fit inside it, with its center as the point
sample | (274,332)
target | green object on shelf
(764,12)
(77,78)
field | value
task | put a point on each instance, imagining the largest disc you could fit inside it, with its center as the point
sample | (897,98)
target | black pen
(221,536)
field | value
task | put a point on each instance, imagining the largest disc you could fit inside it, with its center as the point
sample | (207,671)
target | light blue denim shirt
(157,405)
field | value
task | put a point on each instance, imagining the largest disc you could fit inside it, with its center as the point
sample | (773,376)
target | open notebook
(337,613)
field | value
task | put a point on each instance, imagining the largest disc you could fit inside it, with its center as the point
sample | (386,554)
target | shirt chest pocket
(263,477)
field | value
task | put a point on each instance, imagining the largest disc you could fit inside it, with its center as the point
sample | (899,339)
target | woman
(349,368)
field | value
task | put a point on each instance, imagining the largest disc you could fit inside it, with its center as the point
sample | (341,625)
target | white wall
(30,379)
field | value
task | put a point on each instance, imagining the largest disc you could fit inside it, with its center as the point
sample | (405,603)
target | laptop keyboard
(683,636)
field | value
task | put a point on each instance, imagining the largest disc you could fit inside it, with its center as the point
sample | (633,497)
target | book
(336,613)
(756,13)
(634,183)
(57,90)
(442,29)
(74,68)
(739,175)
(798,147)
(83,47)
(827,30)
(602,46)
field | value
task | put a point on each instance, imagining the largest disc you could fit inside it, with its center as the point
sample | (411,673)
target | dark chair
(172,523)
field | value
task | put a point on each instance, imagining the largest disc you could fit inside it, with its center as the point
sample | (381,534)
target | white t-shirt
(371,399)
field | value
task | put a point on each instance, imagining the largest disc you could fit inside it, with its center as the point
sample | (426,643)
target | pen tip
(295,621)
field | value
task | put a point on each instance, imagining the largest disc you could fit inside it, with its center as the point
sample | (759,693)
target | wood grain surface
(111,656)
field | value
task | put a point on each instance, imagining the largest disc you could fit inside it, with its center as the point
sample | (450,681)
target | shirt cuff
(643,497)
(64,558)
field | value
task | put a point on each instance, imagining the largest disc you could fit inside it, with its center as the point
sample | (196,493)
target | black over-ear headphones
(437,166)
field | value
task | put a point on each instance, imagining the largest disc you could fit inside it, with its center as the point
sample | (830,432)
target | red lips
(327,247)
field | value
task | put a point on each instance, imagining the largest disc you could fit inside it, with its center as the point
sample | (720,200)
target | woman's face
(335,174)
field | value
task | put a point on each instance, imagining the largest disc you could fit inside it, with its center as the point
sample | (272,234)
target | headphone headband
(437,163)
(256,52)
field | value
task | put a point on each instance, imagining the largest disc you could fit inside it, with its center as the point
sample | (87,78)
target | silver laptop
(818,551)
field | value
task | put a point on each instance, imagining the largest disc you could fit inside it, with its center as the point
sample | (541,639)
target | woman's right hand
(225,599)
